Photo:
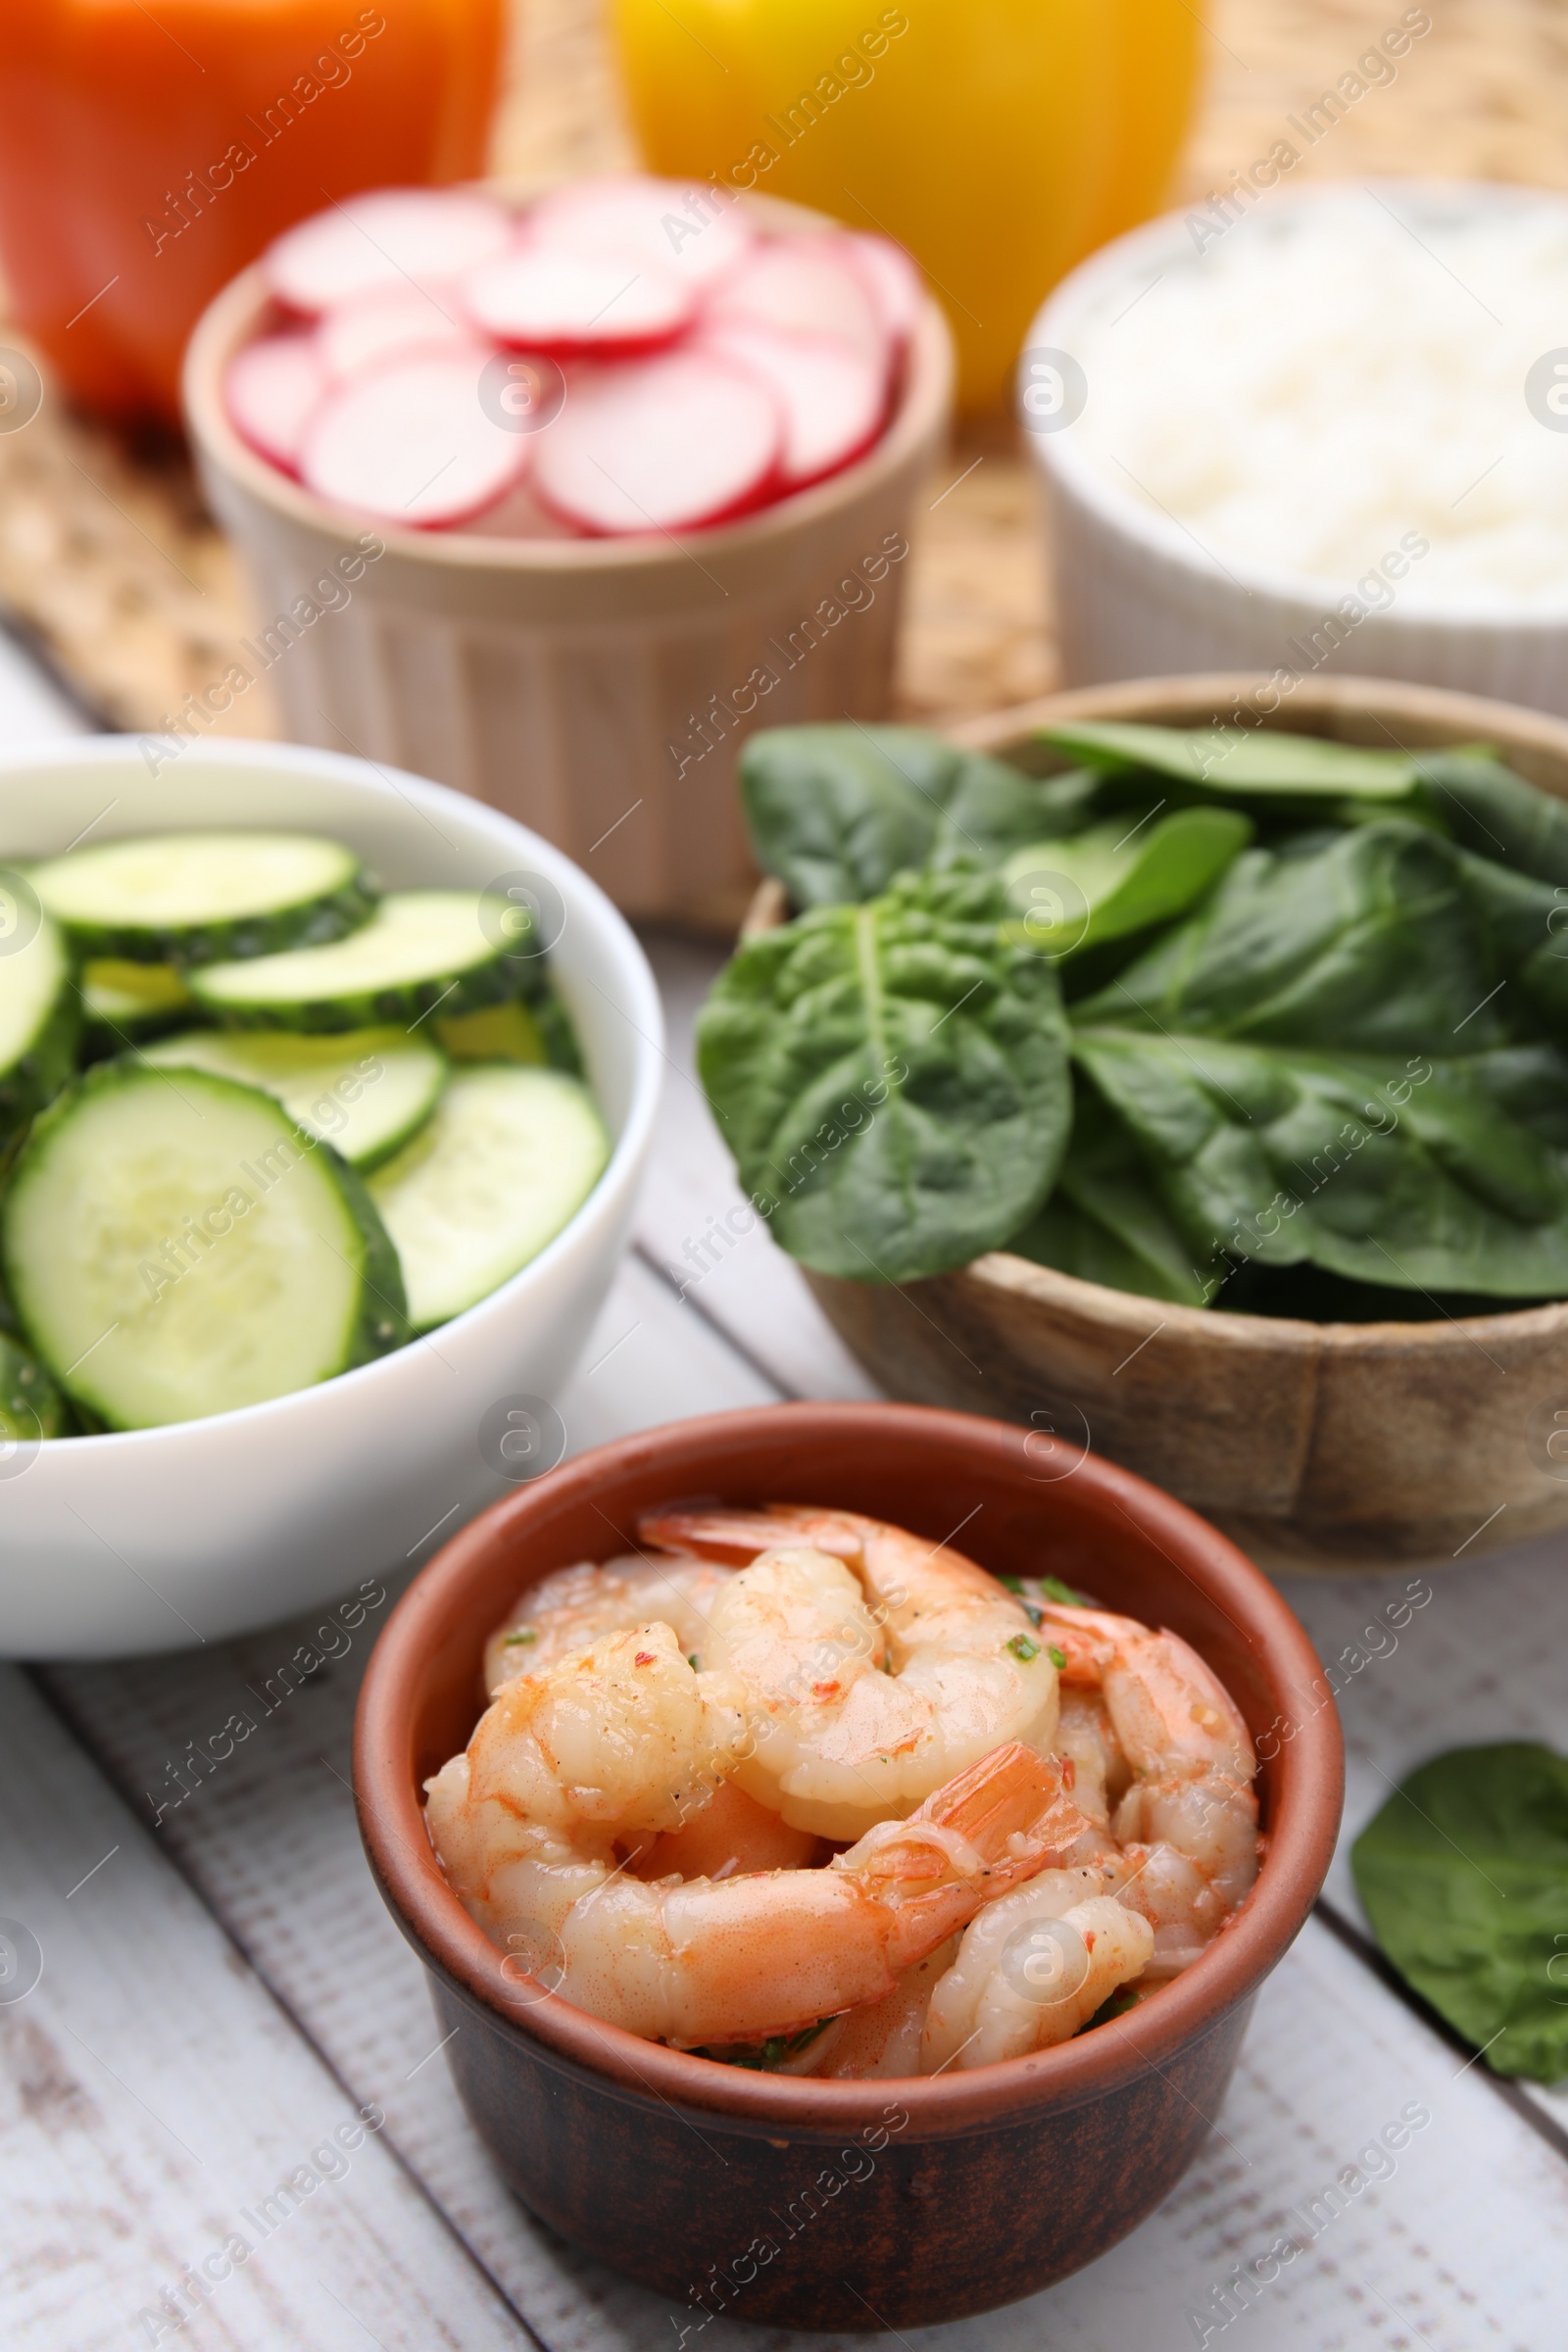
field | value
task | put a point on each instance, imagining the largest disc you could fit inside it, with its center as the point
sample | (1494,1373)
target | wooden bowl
(596,689)
(1328,1446)
(885,2204)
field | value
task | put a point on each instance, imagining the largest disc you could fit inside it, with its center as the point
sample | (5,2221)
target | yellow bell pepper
(999,140)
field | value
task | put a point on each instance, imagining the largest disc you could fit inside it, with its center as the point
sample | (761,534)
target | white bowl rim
(377,780)
(1117,510)
(923,397)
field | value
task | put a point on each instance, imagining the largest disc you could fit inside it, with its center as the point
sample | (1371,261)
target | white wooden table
(219,1993)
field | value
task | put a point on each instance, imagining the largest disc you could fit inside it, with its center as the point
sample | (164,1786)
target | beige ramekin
(572,682)
(1136,597)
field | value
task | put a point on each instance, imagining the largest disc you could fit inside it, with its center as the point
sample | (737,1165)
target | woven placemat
(111,569)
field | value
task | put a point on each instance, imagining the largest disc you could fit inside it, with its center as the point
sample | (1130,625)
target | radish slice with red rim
(804,285)
(546,298)
(271,389)
(412,444)
(895,285)
(388,322)
(697,231)
(832,398)
(383,239)
(659,445)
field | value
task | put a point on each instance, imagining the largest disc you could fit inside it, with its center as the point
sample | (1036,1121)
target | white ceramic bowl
(1135,596)
(157,1538)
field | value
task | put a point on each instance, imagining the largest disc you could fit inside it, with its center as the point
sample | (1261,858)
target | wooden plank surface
(152,2099)
(222,1988)
(268,1845)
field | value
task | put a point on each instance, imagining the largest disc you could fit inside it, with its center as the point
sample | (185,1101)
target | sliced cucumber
(560,1039)
(125,1001)
(175,1251)
(364,1093)
(31,1405)
(40,1014)
(420,950)
(196,898)
(495,1033)
(539,1032)
(510,1155)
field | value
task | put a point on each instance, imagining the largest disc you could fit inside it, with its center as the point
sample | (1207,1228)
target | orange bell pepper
(148,153)
(999,140)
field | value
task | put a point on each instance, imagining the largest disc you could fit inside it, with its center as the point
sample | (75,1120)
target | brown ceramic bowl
(885,2204)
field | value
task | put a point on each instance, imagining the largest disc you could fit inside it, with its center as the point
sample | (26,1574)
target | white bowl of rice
(1326,432)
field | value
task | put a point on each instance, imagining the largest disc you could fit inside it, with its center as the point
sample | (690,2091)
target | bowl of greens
(1181,1068)
(324,1098)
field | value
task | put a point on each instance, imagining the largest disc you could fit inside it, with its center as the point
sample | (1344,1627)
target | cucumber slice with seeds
(40,1013)
(421,949)
(172,1257)
(508,1157)
(366,1092)
(201,898)
(124,1000)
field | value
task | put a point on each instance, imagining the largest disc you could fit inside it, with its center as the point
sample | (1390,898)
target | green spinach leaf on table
(892,1078)
(837,812)
(1464,1877)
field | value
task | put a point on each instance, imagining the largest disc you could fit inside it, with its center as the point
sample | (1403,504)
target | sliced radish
(698,232)
(383,239)
(662,444)
(412,444)
(897,287)
(832,398)
(544,298)
(391,320)
(804,285)
(271,389)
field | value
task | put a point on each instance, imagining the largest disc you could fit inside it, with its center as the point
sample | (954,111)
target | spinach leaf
(1116,878)
(892,1078)
(836,811)
(1411,1176)
(1529,1082)
(1490,810)
(1464,1878)
(1363,940)
(1523,923)
(1240,760)
(1105,1222)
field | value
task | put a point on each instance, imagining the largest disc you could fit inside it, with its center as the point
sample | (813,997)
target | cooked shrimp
(1085,1733)
(1185,1909)
(1033,1968)
(571,1609)
(1192,1763)
(877,1665)
(883,2038)
(731,1833)
(615,1741)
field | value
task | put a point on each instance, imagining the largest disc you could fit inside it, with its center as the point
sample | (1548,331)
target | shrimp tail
(1013,1794)
(983,1832)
